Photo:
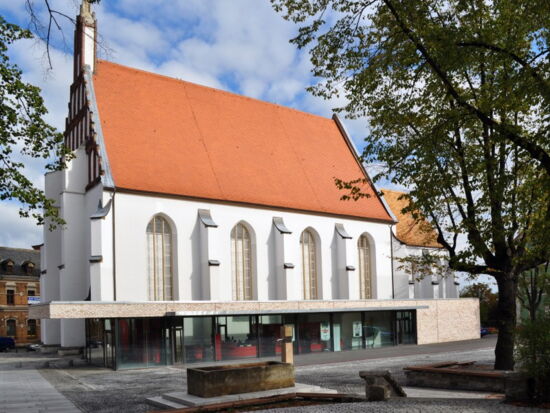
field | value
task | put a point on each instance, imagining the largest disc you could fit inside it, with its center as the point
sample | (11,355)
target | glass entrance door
(405,327)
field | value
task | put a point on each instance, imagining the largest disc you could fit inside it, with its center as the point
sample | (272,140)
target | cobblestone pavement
(414,405)
(26,391)
(35,360)
(344,377)
(106,391)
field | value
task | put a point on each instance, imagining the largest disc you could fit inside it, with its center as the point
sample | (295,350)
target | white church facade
(198,222)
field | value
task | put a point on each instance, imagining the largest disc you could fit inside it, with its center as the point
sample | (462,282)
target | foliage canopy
(24,133)
(457,94)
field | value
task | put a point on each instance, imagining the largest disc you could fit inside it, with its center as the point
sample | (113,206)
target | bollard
(287,351)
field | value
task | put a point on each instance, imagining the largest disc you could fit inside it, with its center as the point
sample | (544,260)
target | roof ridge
(237,95)
(19,249)
(394,190)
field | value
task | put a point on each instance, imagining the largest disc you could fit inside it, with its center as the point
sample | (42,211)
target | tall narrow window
(10,297)
(365,278)
(159,248)
(31,328)
(10,328)
(309,266)
(241,263)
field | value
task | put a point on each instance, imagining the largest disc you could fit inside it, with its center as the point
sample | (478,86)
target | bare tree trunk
(504,350)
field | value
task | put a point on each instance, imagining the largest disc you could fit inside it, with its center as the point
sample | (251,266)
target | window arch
(309,265)
(11,325)
(365,267)
(160,260)
(241,263)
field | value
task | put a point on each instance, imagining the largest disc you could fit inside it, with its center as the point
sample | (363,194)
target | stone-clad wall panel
(448,320)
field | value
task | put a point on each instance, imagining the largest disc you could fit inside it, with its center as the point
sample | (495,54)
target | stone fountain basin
(239,378)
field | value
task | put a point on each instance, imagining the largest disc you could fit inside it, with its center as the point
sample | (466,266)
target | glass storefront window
(141,342)
(314,333)
(348,331)
(236,337)
(197,339)
(149,342)
(100,347)
(94,342)
(270,335)
(378,329)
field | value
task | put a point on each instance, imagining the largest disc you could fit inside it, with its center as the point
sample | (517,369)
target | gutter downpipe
(114,245)
(391,252)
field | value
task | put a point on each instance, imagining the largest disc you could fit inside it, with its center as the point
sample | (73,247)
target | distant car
(6,343)
(33,347)
(483,331)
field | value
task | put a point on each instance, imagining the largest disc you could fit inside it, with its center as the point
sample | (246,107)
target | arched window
(159,249)
(309,266)
(365,277)
(31,328)
(241,263)
(10,328)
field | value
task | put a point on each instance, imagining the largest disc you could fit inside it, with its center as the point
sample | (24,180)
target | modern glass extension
(151,342)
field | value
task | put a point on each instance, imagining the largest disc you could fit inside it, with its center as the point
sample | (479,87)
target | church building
(415,237)
(198,222)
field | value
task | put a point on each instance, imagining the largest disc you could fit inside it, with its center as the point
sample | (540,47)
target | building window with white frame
(160,267)
(365,268)
(241,263)
(309,266)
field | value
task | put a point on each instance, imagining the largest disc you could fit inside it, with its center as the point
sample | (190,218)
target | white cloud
(182,71)
(240,45)
(17,232)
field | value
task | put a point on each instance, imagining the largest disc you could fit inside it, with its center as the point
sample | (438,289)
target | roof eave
(132,191)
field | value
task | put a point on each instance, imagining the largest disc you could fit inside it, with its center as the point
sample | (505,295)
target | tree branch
(543,84)
(537,152)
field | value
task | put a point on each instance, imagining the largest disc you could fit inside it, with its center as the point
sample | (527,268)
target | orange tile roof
(410,231)
(169,136)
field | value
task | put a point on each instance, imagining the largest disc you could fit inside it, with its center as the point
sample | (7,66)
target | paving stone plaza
(26,386)
(27,391)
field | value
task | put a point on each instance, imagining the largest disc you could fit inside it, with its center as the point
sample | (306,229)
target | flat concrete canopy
(102,309)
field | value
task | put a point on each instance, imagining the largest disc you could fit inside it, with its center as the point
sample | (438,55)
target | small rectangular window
(31,293)
(10,297)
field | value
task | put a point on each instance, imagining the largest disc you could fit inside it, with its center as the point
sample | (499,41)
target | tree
(534,288)
(24,133)
(457,97)
(487,301)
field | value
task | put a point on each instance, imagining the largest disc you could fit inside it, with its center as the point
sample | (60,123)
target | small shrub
(533,355)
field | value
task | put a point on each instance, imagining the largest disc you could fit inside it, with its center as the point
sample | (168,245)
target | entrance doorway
(405,327)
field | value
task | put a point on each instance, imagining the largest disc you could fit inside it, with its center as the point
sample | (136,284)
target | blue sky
(241,46)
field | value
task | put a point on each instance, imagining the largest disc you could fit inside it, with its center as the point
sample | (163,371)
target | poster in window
(357,329)
(325,331)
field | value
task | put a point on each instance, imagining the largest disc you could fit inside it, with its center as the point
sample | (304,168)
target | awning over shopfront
(90,309)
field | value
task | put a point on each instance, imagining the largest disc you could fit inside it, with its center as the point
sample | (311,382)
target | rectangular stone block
(239,378)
